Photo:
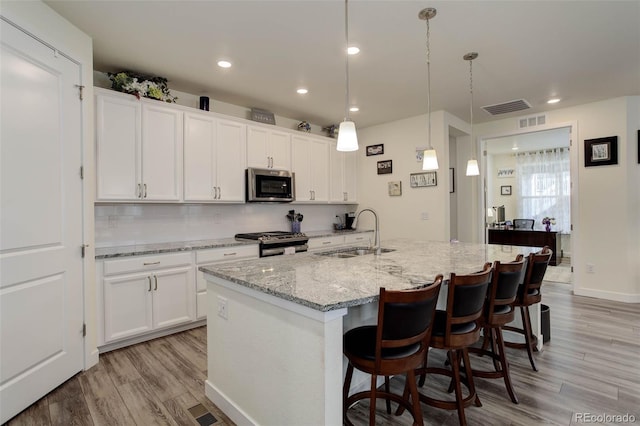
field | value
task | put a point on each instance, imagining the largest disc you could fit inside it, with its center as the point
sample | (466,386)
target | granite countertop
(327,283)
(170,247)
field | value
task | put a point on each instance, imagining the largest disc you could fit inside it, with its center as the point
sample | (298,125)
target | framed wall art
(375,149)
(385,167)
(420,180)
(505,190)
(395,188)
(601,151)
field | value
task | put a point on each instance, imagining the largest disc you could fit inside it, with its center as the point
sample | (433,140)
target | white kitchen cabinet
(311,167)
(343,176)
(217,255)
(138,149)
(214,158)
(268,148)
(143,294)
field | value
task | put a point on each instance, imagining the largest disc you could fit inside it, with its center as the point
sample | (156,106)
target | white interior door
(41,281)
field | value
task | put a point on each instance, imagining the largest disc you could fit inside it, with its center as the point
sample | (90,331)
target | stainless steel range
(277,242)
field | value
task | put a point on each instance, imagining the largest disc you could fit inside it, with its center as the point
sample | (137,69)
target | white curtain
(545,187)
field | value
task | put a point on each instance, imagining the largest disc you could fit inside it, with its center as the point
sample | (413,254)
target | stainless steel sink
(352,252)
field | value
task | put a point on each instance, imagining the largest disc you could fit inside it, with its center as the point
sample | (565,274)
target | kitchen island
(275,325)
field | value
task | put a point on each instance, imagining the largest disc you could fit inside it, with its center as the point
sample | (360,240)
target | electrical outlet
(590,268)
(424,216)
(223,308)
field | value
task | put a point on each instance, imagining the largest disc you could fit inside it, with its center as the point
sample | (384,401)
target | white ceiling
(580,51)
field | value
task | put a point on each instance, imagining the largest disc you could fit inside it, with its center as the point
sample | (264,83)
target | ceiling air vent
(533,120)
(506,107)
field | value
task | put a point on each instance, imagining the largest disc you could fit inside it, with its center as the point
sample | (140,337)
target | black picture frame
(385,167)
(505,190)
(375,149)
(601,151)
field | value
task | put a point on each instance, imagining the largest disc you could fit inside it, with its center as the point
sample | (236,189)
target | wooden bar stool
(499,311)
(396,345)
(455,330)
(529,293)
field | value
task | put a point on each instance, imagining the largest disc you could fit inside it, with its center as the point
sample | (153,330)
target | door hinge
(80,89)
(572,269)
(81,172)
(84,330)
(83,248)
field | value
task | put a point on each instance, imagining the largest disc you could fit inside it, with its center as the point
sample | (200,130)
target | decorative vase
(547,227)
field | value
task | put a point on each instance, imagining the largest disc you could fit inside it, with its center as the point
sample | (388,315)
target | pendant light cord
(473,150)
(346,37)
(428,86)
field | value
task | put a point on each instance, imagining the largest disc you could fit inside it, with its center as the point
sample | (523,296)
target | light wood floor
(591,365)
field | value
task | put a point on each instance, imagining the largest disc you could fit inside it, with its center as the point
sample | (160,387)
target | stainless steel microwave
(269,185)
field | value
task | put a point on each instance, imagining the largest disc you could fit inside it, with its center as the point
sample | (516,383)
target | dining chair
(397,344)
(530,293)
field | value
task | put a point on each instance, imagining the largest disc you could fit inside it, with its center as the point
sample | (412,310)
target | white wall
(420,213)
(41,21)
(494,197)
(606,212)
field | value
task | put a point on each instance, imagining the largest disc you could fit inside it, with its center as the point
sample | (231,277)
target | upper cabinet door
(199,157)
(311,166)
(231,138)
(118,135)
(343,176)
(162,144)
(268,148)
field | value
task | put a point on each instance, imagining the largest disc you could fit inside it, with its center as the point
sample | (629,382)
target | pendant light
(430,158)
(347,137)
(472,164)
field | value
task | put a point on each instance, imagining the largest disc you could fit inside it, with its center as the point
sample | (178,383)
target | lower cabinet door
(127,306)
(174,297)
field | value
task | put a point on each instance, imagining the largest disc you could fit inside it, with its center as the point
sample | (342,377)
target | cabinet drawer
(325,242)
(364,238)
(146,263)
(226,253)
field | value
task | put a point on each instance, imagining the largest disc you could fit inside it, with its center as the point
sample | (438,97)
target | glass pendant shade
(430,159)
(472,168)
(347,137)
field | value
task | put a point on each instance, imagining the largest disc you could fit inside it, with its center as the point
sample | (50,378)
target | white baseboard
(607,295)
(227,406)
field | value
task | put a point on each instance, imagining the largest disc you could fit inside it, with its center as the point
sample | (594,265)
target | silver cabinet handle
(151,263)
(213,192)
(139,191)
(155,279)
(149,278)
(314,195)
(145,190)
(326,242)
(230,254)
(345,196)
(219,193)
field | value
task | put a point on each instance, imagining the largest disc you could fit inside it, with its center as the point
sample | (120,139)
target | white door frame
(573,155)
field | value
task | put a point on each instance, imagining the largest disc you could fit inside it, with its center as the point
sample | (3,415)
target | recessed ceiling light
(302,91)
(224,64)
(514,148)
(553,101)
(353,50)
(354,109)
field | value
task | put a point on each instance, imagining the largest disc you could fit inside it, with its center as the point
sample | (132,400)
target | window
(545,187)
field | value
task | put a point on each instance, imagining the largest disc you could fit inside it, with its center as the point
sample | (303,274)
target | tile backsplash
(127,224)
